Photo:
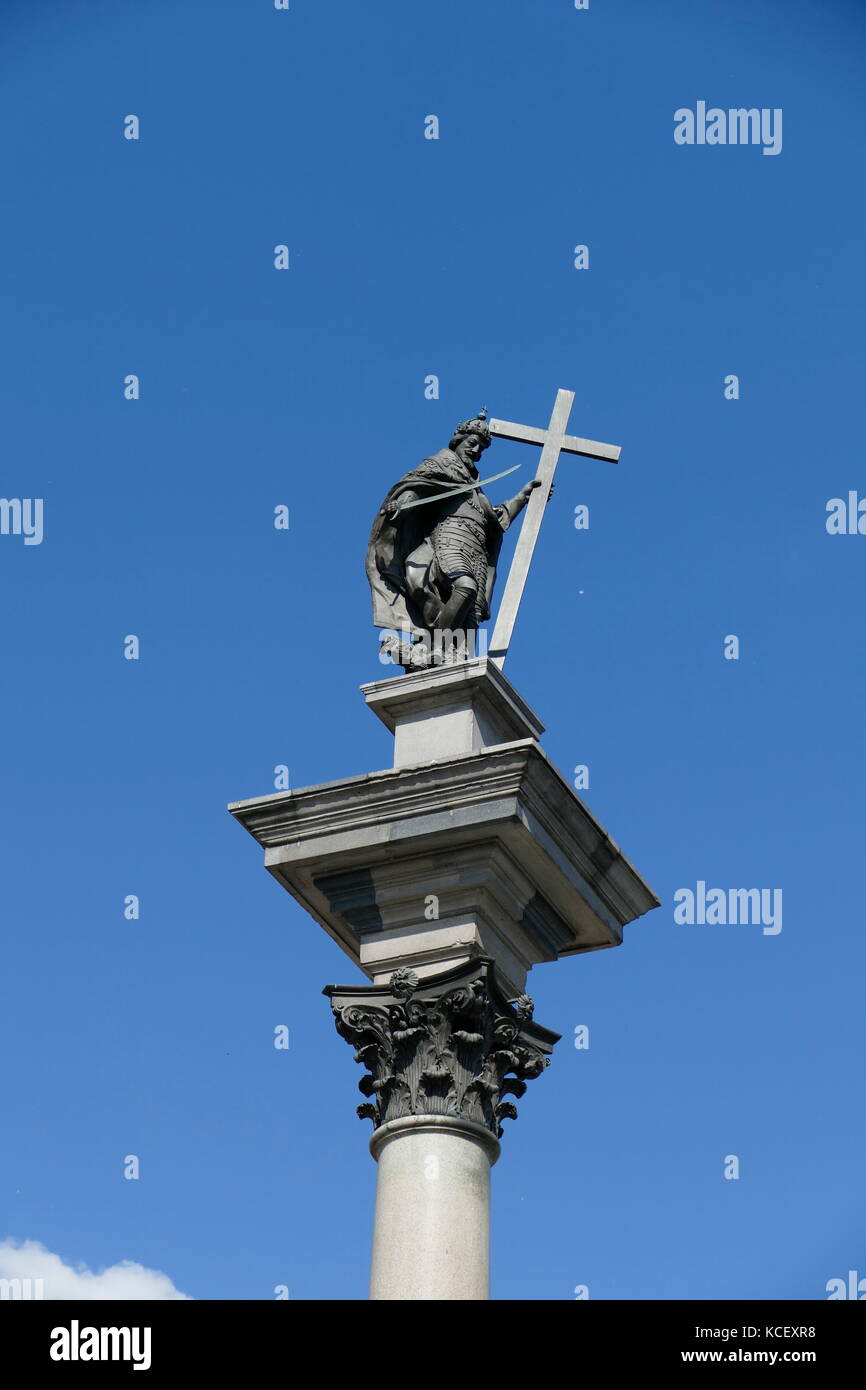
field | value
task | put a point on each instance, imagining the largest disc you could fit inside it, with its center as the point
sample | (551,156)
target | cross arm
(569,443)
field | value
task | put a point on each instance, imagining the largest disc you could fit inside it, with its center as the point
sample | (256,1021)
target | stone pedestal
(471,844)
(445,878)
(450,711)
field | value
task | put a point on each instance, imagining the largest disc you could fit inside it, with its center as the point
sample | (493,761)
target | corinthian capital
(449,1044)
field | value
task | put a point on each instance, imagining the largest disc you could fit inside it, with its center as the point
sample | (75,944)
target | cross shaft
(553,441)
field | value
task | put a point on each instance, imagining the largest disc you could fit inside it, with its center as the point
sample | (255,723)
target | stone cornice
(378,798)
(513,786)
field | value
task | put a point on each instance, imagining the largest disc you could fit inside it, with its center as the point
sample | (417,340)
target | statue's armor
(460,544)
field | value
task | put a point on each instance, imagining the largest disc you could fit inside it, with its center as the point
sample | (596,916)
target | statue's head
(471,438)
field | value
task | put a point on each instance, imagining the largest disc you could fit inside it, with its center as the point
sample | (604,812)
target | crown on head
(478,425)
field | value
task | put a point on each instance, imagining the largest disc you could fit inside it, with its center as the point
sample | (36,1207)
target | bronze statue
(431,558)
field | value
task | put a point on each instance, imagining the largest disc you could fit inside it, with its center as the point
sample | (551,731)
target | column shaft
(431,1237)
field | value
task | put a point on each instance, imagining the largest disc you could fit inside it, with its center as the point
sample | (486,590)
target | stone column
(440,1053)
(431,1235)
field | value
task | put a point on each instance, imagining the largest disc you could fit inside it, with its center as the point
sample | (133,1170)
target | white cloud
(28,1259)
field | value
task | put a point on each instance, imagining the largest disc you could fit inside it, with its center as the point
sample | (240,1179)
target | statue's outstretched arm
(515,505)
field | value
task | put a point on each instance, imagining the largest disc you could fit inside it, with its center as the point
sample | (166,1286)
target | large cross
(553,442)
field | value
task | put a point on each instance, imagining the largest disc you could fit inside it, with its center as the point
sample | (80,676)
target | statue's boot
(454,647)
(455,611)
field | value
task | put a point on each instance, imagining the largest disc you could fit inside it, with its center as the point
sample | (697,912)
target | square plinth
(449,710)
(484,850)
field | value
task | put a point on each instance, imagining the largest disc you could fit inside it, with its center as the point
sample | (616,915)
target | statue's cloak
(406,584)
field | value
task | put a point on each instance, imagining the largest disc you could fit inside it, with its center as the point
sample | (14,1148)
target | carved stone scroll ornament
(450,1044)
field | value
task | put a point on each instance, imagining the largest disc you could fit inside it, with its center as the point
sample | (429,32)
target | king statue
(433,549)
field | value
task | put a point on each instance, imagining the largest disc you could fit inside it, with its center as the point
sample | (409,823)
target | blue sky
(306,387)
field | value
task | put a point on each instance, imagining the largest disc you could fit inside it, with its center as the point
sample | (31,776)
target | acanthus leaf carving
(447,1045)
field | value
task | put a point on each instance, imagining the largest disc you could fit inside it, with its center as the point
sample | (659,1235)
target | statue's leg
(460,605)
(460,555)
